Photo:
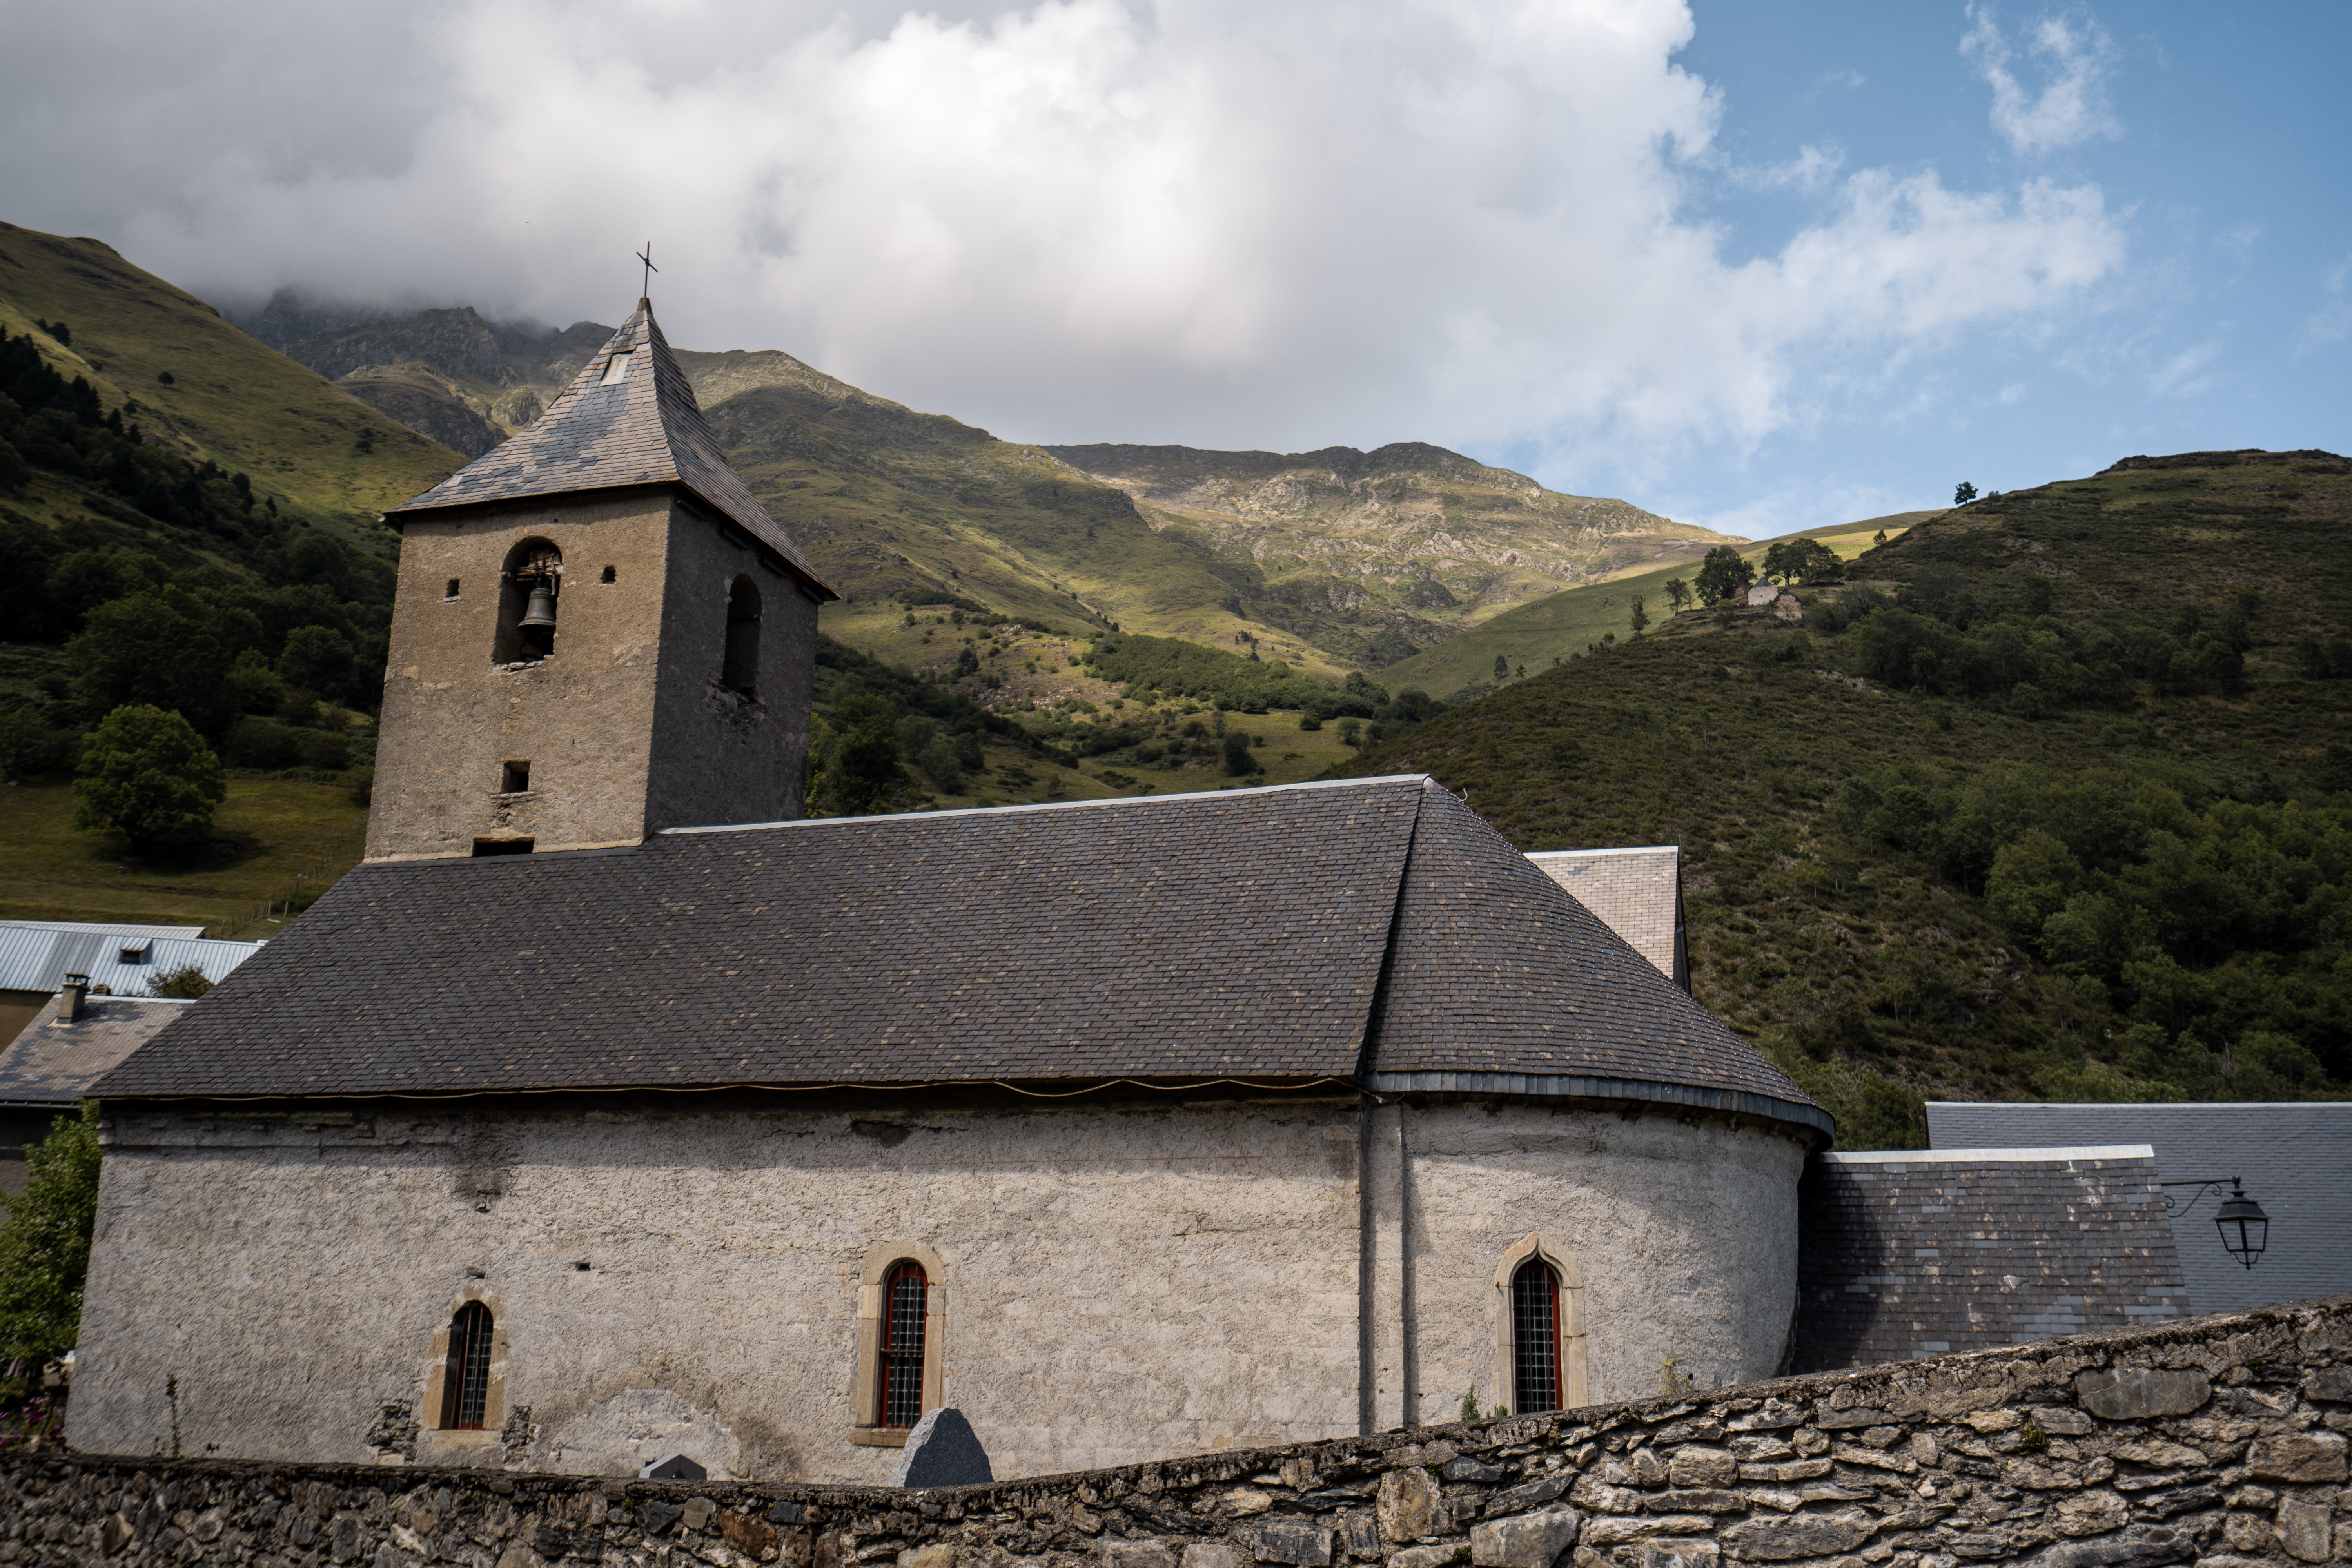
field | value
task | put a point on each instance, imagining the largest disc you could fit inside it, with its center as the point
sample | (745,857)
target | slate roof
(644,429)
(2296,1160)
(1917,1252)
(54,1061)
(1372,929)
(1637,891)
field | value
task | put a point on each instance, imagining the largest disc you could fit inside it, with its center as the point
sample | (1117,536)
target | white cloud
(2075,56)
(2332,322)
(2184,374)
(1212,221)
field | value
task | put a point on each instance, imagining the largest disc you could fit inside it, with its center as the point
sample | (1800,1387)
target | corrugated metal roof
(2296,1160)
(103,926)
(39,958)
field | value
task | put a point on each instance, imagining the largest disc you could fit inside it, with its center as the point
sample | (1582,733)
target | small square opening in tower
(453,589)
(502,846)
(616,369)
(514,778)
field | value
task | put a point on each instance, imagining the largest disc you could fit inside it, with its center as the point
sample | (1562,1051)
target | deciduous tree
(148,775)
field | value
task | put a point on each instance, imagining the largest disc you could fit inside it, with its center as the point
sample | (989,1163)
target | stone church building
(610,1110)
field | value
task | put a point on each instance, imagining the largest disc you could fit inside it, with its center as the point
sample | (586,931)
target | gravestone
(675,1468)
(942,1451)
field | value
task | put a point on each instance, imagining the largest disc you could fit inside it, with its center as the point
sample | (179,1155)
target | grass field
(274,839)
(1547,632)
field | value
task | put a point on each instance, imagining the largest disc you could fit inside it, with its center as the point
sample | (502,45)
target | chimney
(75,994)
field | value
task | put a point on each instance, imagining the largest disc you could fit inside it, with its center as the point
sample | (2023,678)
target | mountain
(201,388)
(1376,555)
(2052,800)
(1565,625)
(1331,560)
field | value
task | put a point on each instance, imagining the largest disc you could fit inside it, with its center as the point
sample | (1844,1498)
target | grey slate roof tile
(644,429)
(54,1061)
(1240,935)
(1913,1254)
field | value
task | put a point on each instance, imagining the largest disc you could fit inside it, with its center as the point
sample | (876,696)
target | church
(611,1109)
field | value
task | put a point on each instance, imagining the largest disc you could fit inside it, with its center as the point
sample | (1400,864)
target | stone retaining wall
(2217,1440)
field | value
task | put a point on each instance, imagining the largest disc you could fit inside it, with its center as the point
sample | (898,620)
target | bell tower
(598,632)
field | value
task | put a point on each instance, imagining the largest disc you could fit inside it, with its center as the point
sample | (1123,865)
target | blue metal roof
(124,959)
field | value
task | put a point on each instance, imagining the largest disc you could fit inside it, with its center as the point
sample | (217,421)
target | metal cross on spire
(647,255)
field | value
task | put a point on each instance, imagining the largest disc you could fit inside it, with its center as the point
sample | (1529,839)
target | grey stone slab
(2137,1392)
(942,1451)
(1525,1541)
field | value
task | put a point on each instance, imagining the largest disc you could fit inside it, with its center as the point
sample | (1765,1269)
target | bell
(541,611)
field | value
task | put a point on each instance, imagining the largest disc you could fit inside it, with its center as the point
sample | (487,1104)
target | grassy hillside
(2046,807)
(230,400)
(1376,555)
(1548,631)
(1331,560)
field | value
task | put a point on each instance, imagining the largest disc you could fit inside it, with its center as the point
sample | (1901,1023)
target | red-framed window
(905,1299)
(1535,1338)
(466,1381)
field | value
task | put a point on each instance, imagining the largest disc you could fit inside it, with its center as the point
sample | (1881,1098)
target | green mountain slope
(230,400)
(1376,555)
(1548,632)
(2055,815)
(1333,561)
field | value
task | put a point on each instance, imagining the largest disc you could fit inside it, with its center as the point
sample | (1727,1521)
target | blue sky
(1758,266)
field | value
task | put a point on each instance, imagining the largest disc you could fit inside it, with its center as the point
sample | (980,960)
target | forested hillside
(2053,799)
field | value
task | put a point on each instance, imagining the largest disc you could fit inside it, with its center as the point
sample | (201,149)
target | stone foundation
(2220,1441)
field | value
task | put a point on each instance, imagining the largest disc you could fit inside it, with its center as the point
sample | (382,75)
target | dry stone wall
(2218,1441)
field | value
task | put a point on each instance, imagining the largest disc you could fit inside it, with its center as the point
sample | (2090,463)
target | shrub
(44,1241)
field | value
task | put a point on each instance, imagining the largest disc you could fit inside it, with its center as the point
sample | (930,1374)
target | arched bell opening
(741,671)
(528,587)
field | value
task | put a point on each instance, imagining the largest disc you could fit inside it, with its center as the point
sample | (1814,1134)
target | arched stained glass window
(904,1293)
(1535,1338)
(466,1381)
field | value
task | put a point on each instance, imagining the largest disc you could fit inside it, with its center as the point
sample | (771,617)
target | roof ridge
(1054,805)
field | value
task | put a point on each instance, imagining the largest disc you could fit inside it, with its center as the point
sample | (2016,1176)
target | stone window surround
(866,1392)
(433,1438)
(1574,1388)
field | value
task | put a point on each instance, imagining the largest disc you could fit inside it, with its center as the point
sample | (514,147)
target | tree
(167,647)
(1238,761)
(1965,493)
(862,775)
(318,659)
(1878,539)
(184,984)
(1640,618)
(148,775)
(1724,574)
(1502,668)
(1678,595)
(44,1241)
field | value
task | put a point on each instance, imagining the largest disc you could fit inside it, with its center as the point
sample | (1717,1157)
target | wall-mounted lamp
(2245,1228)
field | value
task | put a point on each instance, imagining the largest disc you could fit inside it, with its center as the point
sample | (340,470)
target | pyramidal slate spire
(628,418)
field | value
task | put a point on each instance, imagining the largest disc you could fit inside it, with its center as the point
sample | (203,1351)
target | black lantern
(2244,1227)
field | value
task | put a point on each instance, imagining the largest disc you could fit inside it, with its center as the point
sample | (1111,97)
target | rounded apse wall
(1672,1239)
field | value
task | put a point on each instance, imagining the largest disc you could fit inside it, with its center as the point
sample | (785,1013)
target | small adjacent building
(49,1069)
(35,957)
(2295,1159)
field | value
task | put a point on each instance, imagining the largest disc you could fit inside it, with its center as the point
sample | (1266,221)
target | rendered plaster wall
(2218,1441)
(1682,1234)
(624,725)
(1111,1285)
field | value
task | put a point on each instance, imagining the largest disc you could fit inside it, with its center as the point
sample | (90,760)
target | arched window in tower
(526,593)
(900,1396)
(1535,1338)
(741,672)
(465,1379)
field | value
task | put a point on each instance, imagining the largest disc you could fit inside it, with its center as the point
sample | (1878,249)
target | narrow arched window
(1535,1338)
(527,594)
(465,1379)
(904,1303)
(741,672)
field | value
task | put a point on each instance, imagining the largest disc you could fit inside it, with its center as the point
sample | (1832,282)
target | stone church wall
(2219,1441)
(1112,1283)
